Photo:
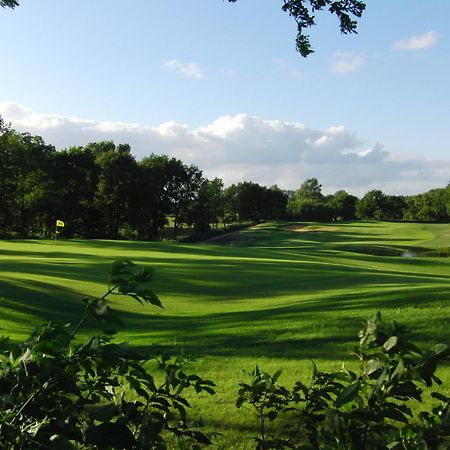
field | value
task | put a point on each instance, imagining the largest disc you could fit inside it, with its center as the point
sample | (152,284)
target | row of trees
(100,190)
(308,203)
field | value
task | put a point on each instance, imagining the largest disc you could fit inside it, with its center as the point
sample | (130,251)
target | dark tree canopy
(9,3)
(303,12)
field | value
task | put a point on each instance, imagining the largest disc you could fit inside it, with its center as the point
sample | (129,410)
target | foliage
(372,205)
(248,201)
(208,207)
(165,186)
(303,12)
(57,393)
(370,409)
(9,3)
(308,203)
(342,205)
(431,206)
(115,188)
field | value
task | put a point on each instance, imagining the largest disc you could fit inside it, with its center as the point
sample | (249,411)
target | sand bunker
(309,229)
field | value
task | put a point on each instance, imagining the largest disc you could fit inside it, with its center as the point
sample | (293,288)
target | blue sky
(221,85)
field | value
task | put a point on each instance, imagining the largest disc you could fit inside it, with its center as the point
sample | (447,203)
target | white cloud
(420,42)
(344,63)
(243,147)
(190,70)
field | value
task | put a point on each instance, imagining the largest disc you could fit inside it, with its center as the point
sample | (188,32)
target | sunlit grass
(275,296)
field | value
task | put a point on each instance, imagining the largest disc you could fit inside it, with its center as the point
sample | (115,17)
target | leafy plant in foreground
(370,409)
(56,393)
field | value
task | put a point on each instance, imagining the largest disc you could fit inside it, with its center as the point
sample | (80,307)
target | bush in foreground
(56,393)
(371,409)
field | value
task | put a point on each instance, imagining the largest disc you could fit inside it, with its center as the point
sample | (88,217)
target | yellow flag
(59,223)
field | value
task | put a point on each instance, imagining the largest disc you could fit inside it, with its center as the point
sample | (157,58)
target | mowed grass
(277,295)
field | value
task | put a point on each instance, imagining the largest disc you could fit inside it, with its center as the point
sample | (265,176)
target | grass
(273,296)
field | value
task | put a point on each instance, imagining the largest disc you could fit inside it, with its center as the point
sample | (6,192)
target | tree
(246,201)
(74,179)
(214,191)
(9,3)
(395,207)
(166,186)
(182,191)
(150,218)
(208,207)
(372,205)
(24,182)
(116,184)
(431,206)
(7,185)
(342,205)
(308,202)
(311,190)
(276,203)
(447,194)
(303,12)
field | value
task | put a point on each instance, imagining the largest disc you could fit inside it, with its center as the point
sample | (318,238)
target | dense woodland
(101,191)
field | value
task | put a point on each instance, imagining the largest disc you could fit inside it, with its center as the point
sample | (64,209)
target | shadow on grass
(211,275)
(309,329)
(315,234)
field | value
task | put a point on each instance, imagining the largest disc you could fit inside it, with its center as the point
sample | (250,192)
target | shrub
(370,409)
(56,393)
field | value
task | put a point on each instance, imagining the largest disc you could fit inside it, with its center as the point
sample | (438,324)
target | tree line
(102,191)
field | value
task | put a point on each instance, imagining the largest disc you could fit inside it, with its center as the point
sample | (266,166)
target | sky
(220,85)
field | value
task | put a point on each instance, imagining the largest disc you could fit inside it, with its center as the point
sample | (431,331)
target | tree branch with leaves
(304,11)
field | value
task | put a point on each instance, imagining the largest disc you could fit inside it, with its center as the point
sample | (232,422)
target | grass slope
(277,295)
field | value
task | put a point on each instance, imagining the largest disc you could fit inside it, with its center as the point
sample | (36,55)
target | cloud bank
(248,148)
(421,42)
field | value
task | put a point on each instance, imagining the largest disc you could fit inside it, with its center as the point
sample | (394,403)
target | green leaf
(440,397)
(201,437)
(372,366)
(390,343)
(114,435)
(104,413)
(395,414)
(406,389)
(439,349)
(153,299)
(61,443)
(276,375)
(348,394)
(209,390)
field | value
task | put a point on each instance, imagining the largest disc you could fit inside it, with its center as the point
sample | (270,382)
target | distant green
(277,295)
